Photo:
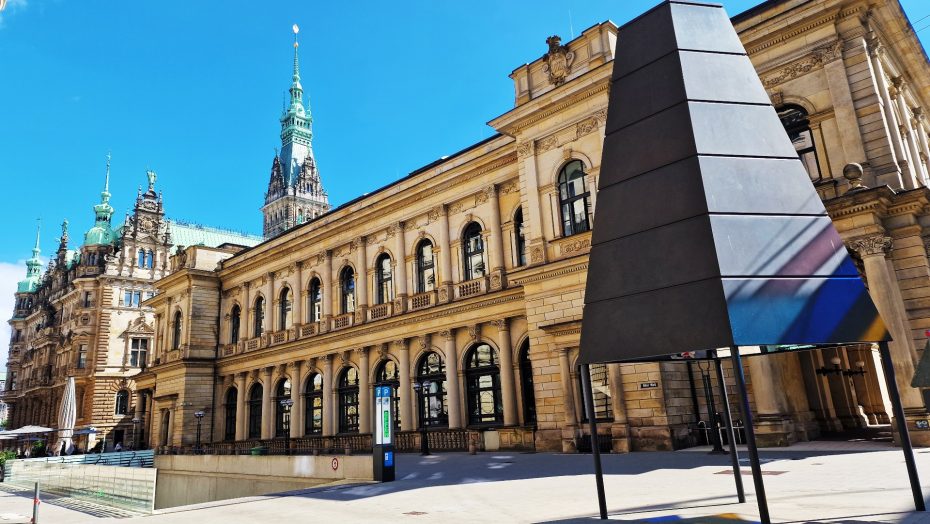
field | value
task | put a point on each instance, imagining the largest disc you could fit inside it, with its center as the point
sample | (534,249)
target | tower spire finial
(296,63)
(35,250)
(106,185)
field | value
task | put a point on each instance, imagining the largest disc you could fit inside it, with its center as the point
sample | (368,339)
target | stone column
(617,406)
(445,256)
(508,388)
(240,406)
(297,413)
(844,109)
(452,378)
(364,392)
(496,245)
(329,297)
(267,407)
(532,209)
(328,392)
(921,130)
(400,264)
(773,424)
(245,312)
(405,389)
(270,301)
(300,296)
(908,132)
(872,250)
(170,413)
(891,119)
(568,400)
(361,280)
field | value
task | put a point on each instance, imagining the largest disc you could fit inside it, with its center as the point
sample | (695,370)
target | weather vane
(296,30)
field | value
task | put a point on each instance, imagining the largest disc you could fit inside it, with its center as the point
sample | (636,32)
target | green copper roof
(186,234)
(33,270)
(102,232)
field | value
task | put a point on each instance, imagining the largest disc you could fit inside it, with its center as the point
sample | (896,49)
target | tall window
(149,259)
(259,317)
(798,127)
(88,299)
(229,422)
(284,309)
(348,400)
(600,387)
(235,322)
(473,250)
(122,402)
(574,198)
(387,376)
(426,272)
(384,279)
(526,386)
(132,298)
(519,237)
(176,336)
(255,411)
(347,284)
(82,356)
(482,375)
(138,351)
(432,399)
(282,412)
(313,405)
(315,301)
(141,261)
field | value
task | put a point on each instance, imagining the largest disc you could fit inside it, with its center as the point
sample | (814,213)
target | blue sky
(193,91)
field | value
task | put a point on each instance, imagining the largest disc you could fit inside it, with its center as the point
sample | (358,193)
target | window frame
(313,404)
(176,333)
(121,402)
(473,255)
(230,412)
(258,321)
(137,353)
(315,300)
(426,271)
(282,413)
(347,396)
(235,323)
(285,309)
(568,197)
(383,378)
(432,405)
(475,371)
(349,293)
(519,238)
(384,279)
(254,402)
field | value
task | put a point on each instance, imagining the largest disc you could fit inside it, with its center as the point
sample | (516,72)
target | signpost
(383,451)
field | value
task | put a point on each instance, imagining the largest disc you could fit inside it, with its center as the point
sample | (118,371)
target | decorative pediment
(139,326)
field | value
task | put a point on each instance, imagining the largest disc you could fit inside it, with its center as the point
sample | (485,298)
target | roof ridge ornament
(558,60)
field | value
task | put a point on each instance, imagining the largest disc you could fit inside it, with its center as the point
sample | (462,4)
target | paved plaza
(812,482)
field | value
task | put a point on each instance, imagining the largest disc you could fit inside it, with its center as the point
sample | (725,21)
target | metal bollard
(35,505)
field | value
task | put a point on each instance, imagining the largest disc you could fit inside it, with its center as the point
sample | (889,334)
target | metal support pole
(595,447)
(898,410)
(750,435)
(734,454)
(714,433)
(35,505)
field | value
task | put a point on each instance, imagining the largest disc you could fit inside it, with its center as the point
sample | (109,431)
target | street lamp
(199,416)
(135,424)
(424,437)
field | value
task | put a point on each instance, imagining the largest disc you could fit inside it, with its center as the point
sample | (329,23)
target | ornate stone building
(83,316)
(461,285)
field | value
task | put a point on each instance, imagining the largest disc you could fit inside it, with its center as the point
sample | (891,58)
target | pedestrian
(118,447)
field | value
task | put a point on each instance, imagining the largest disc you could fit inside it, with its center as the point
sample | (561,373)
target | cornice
(520,123)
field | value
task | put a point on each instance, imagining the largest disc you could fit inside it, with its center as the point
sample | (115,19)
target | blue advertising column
(383,451)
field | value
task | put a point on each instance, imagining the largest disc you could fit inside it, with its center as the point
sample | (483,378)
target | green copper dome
(33,271)
(102,232)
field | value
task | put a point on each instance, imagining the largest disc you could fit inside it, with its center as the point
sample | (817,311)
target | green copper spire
(33,269)
(102,233)
(297,91)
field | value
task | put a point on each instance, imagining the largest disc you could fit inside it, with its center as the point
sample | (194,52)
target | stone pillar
(452,378)
(445,256)
(905,122)
(364,392)
(921,130)
(300,296)
(361,280)
(170,413)
(329,297)
(297,413)
(844,399)
(240,406)
(818,390)
(532,209)
(772,422)
(245,311)
(400,271)
(891,119)
(328,392)
(496,244)
(271,312)
(267,407)
(405,389)
(568,401)
(844,108)
(508,389)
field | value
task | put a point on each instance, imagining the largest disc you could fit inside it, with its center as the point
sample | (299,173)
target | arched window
(149,259)
(282,411)
(313,405)
(387,375)
(255,411)
(574,198)
(315,300)
(141,260)
(176,335)
(235,321)
(229,422)
(600,387)
(259,317)
(384,279)
(426,273)
(431,375)
(519,238)
(122,402)
(284,309)
(796,124)
(347,393)
(526,385)
(482,381)
(347,285)
(473,250)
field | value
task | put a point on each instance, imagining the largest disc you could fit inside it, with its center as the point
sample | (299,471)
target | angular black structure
(708,233)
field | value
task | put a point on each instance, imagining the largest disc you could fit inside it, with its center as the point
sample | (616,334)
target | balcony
(471,288)
(228,350)
(252,344)
(422,301)
(379,311)
(309,330)
(343,321)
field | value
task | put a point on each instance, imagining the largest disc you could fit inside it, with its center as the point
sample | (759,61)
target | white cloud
(10,274)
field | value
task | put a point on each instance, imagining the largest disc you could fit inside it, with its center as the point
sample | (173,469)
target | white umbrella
(66,416)
(26,430)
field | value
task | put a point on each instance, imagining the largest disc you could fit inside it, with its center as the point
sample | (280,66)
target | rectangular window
(136,298)
(138,351)
(12,380)
(82,356)
(88,299)
(127,298)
